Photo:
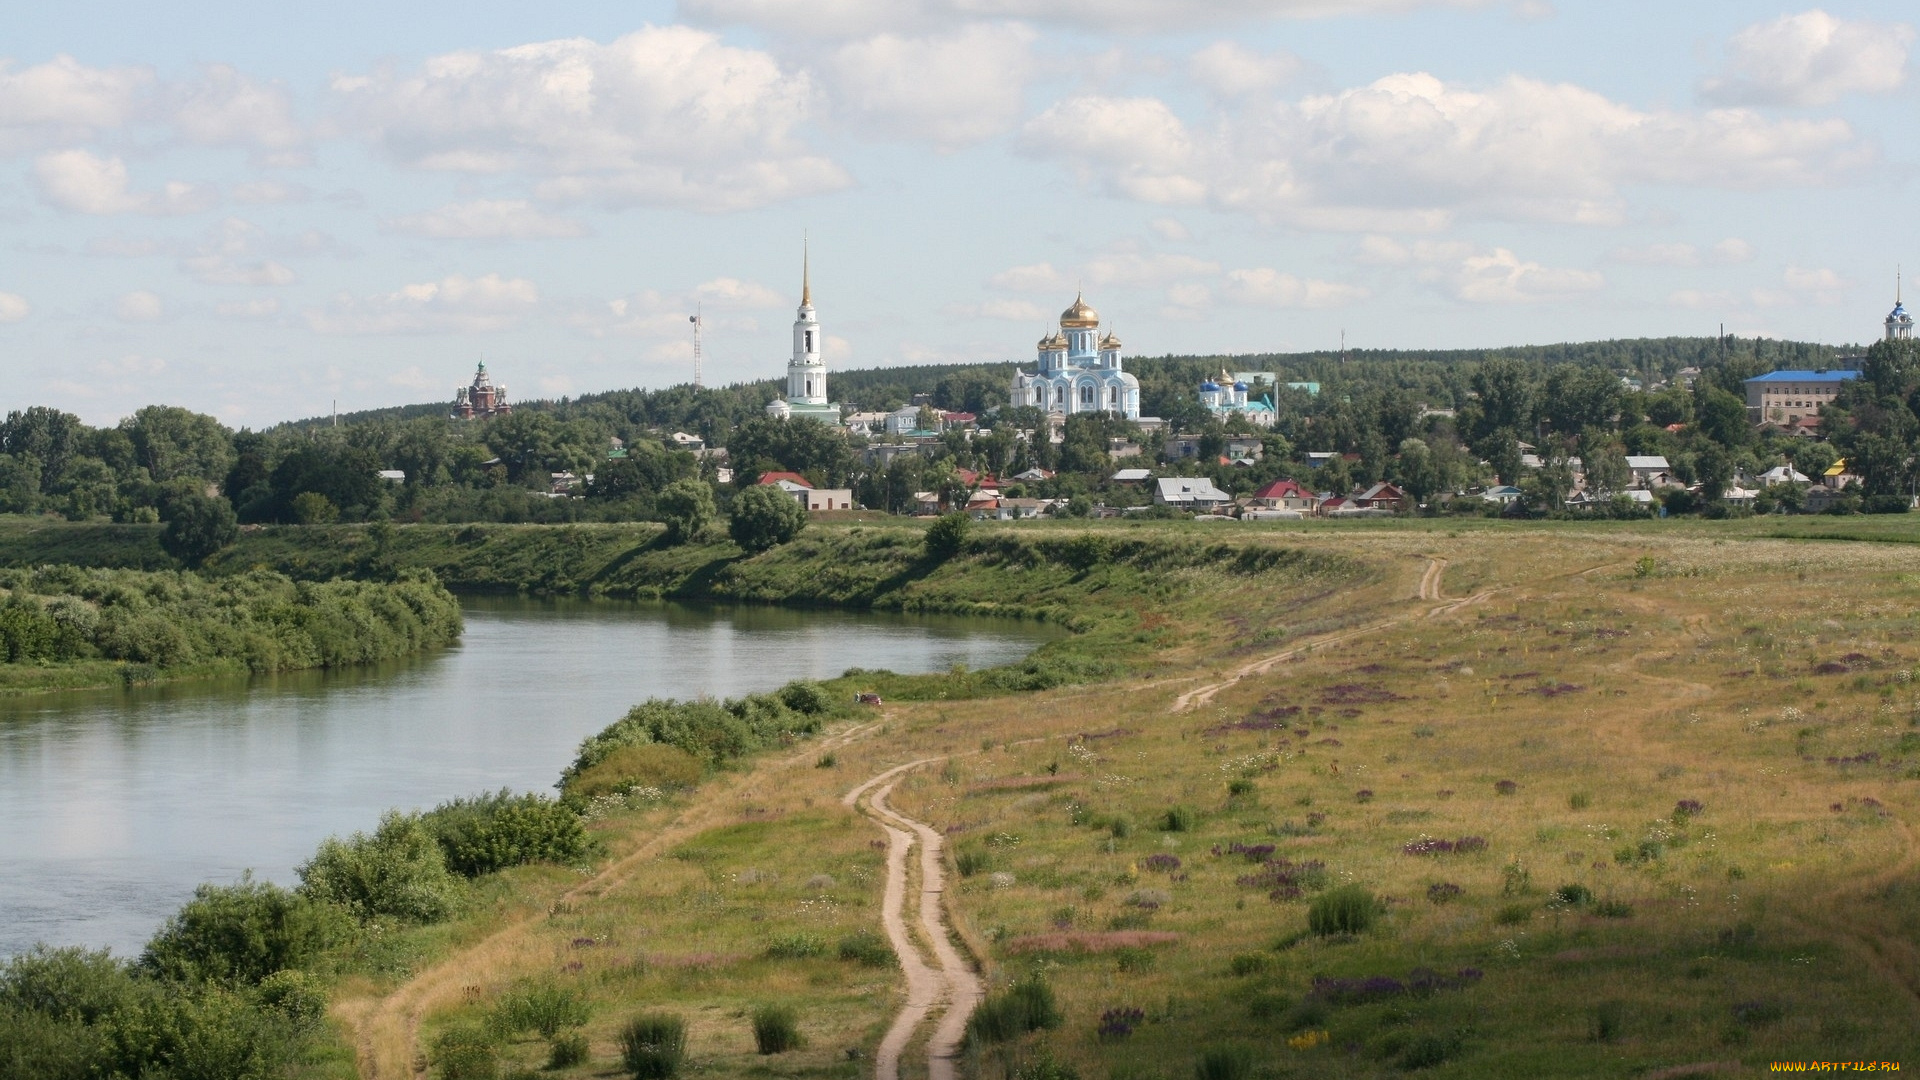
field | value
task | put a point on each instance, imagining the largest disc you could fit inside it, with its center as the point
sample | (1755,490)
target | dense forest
(1433,421)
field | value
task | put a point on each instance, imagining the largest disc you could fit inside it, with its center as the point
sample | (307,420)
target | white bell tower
(806,372)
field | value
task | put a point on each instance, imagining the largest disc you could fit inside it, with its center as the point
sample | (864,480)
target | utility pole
(698,322)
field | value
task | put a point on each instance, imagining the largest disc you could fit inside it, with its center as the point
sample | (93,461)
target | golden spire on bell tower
(806,276)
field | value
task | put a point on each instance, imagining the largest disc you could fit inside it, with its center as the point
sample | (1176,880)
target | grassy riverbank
(65,627)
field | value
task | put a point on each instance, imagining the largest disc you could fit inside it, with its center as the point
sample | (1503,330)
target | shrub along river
(115,804)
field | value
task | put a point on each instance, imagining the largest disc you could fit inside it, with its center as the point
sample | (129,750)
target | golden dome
(1111,341)
(1053,341)
(1079,315)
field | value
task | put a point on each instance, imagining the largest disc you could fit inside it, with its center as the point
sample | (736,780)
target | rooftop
(1829,375)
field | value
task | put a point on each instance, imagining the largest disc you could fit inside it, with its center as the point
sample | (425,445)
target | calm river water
(114,805)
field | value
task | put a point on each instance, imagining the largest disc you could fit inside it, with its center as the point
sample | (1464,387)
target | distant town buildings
(1077,374)
(482,399)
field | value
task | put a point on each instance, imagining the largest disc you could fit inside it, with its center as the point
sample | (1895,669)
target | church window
(809,341)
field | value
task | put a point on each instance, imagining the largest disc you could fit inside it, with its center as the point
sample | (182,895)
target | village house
(1284,495)
(1381,496)
(1190,493)
(814,499)
(1131,476)
(1651,471)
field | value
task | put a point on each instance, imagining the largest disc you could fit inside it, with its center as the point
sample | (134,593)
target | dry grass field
(1622,802)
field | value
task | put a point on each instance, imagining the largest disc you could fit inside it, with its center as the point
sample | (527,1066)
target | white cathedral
(1076,375)
(806,372)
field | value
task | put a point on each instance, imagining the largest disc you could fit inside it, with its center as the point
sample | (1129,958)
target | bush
(776,1029)
(199,527)
(398,872)
(653,1046)
(1044,1067)
(686,506)
(714,732)
(1025,1006)
(541,1006)
(1178,819)
(1251,964)
(1349,909)
(971,861)
(313,508)
(492,832)
(947,537)
(568,1050)
(1513,914)
(242,933)
(867,947)
(655,765)
(763,517)
(795,947)
(1573,895)
(1609,1020)
(465,1053)
(1224,1063)
(806,696)
(1426,1051)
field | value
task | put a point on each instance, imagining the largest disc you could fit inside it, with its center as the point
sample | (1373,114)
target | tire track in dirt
(950,980)
(386,1031)
(1429,590)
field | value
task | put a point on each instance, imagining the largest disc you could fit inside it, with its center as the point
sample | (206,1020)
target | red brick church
(482,399)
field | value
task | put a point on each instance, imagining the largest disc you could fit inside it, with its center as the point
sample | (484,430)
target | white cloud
(1171,229)
(1658,255)
(665,116)
(64,101)
(728,292)
(141,306)
(227,108)
(1697,299)
(1010,310)
(85,183)
(222,270)
(1266,287)
(1810,59)
(13,307)
(1804,285)
(1232,70)
(1133,268)
(488,219)
(269,191)
(248,310)
(949,90)
(723,302)
(1477,275)
(1411,153)
(454,304)
(853,18)
(1037,277)
(1501,277)
(1733,250)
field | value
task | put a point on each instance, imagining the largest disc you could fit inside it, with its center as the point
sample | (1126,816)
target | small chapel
(1077,373)
(806,370)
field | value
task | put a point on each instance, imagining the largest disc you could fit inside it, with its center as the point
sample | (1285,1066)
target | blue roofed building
(1782,397)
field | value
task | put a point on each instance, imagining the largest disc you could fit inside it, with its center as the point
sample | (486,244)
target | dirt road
(949,980)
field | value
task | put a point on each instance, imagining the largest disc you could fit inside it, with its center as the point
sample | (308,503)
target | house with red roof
(1284,495)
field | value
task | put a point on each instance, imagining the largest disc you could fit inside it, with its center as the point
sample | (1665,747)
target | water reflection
(114,804)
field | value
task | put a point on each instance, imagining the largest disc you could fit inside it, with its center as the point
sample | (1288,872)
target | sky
(260,211)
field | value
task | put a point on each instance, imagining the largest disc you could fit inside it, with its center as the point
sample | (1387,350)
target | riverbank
(71,627)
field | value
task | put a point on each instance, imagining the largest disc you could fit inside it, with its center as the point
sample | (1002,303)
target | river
(115,804)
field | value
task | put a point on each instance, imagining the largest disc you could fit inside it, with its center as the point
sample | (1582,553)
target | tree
(313,508)
(802,445)
(1506,397)
(242,933)
(1606,464)
(1723,417)
(687,507)
(399,871)
(946,537)
(764,517)
(198,527)
(172,442)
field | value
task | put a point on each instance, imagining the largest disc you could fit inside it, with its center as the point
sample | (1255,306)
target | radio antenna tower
(698,360)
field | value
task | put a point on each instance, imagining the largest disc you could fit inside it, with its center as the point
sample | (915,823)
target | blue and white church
(806,371)
(1078,374)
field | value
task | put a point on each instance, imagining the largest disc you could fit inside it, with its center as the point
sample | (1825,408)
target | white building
(1227,395)
(1078,375)
(1189,493)
(806,372)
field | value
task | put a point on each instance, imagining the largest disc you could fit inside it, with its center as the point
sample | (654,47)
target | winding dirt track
(1429,590)
(949,980)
